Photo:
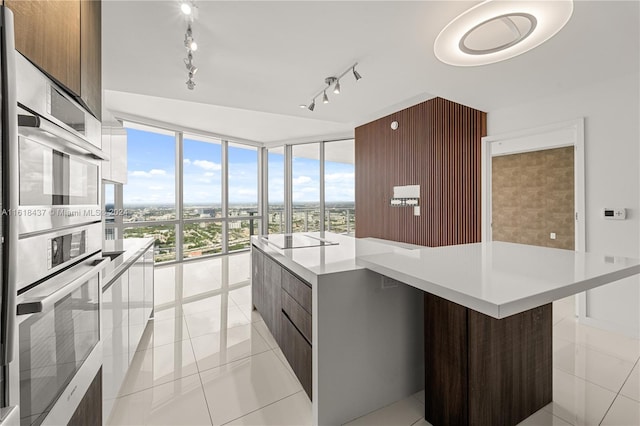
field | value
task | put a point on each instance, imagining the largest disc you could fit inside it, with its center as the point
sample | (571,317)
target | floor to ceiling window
(305,187)
(201,196)
(275,193)
(322,187)
(242,196)
(195,195)
(149,197)
(339,187)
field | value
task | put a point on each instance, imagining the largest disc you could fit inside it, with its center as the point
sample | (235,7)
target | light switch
(552,236)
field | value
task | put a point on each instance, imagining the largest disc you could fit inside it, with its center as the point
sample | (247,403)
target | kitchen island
(486,323)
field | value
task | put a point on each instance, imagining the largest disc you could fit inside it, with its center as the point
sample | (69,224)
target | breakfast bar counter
(484,320)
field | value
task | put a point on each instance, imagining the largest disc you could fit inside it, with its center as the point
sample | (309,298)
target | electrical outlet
(552,236)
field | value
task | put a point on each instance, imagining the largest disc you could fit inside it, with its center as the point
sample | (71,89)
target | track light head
(312,105)
(325,98)
(190,83)
(189,41)
(336,89)
(356,74)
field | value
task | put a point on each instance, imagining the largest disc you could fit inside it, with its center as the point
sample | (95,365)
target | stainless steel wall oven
(59,249)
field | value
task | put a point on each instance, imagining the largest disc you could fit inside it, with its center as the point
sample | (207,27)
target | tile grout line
(595,349)
(620,390)
(229,362)
(154,386)
(204,394)
(265,406)
(619,336)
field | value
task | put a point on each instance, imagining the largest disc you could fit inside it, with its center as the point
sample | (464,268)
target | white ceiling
(259,60)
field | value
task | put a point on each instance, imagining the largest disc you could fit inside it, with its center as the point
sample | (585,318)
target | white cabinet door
(114,144)
(115,340)
(119,155)
(137,321)
(106,148)
(148,282)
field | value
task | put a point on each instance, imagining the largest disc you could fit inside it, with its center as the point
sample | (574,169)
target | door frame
(557,135)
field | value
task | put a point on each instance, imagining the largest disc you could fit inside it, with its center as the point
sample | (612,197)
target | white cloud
(301,180)
(207,165)
(209,174)
(186,161)
(156,188)
(337,177)
(150,173)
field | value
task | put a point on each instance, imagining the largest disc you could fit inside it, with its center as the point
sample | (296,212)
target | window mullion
(225,196)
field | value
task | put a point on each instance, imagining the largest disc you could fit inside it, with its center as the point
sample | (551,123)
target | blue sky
(151,176)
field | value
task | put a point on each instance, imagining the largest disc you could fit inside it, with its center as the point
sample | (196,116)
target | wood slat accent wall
(436,146)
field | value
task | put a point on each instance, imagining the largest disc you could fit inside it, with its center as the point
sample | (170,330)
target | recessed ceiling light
(185,8)
(494,31)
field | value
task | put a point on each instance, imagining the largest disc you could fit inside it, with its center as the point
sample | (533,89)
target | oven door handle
(43,125)
(39,304)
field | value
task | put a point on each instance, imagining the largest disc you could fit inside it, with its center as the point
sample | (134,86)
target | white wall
(612,161)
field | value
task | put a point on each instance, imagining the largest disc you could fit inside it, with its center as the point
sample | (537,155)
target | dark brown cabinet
(48,34)
(284,301)
(266,285)
(272,301)
(297,351)
(91,55)
(89,411)
(63,38)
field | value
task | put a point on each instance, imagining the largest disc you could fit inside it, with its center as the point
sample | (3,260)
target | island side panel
(446,355)
(367,345)
(510,366)
(481,370)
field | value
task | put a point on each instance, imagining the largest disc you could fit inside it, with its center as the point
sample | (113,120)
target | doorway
(524,180)
(532,198)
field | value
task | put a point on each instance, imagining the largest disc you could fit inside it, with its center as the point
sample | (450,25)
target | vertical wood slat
(436,146)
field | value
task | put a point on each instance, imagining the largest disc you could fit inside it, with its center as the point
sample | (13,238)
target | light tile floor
(208,359)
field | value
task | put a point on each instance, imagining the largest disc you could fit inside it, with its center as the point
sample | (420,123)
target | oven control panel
(64,248)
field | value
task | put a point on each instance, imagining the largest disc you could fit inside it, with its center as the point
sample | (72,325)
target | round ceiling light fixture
(494,30)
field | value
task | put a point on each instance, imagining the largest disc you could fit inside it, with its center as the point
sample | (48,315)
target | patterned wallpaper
(533,196)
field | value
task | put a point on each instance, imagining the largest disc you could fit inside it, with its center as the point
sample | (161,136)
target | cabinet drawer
(298,316)
(298,352)
(298,289)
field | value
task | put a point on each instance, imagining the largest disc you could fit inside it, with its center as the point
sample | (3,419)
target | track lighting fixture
(356,74)
(188,8)
(329,81)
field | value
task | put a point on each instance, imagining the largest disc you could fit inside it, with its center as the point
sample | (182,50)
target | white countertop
(496,278)
(131,249)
